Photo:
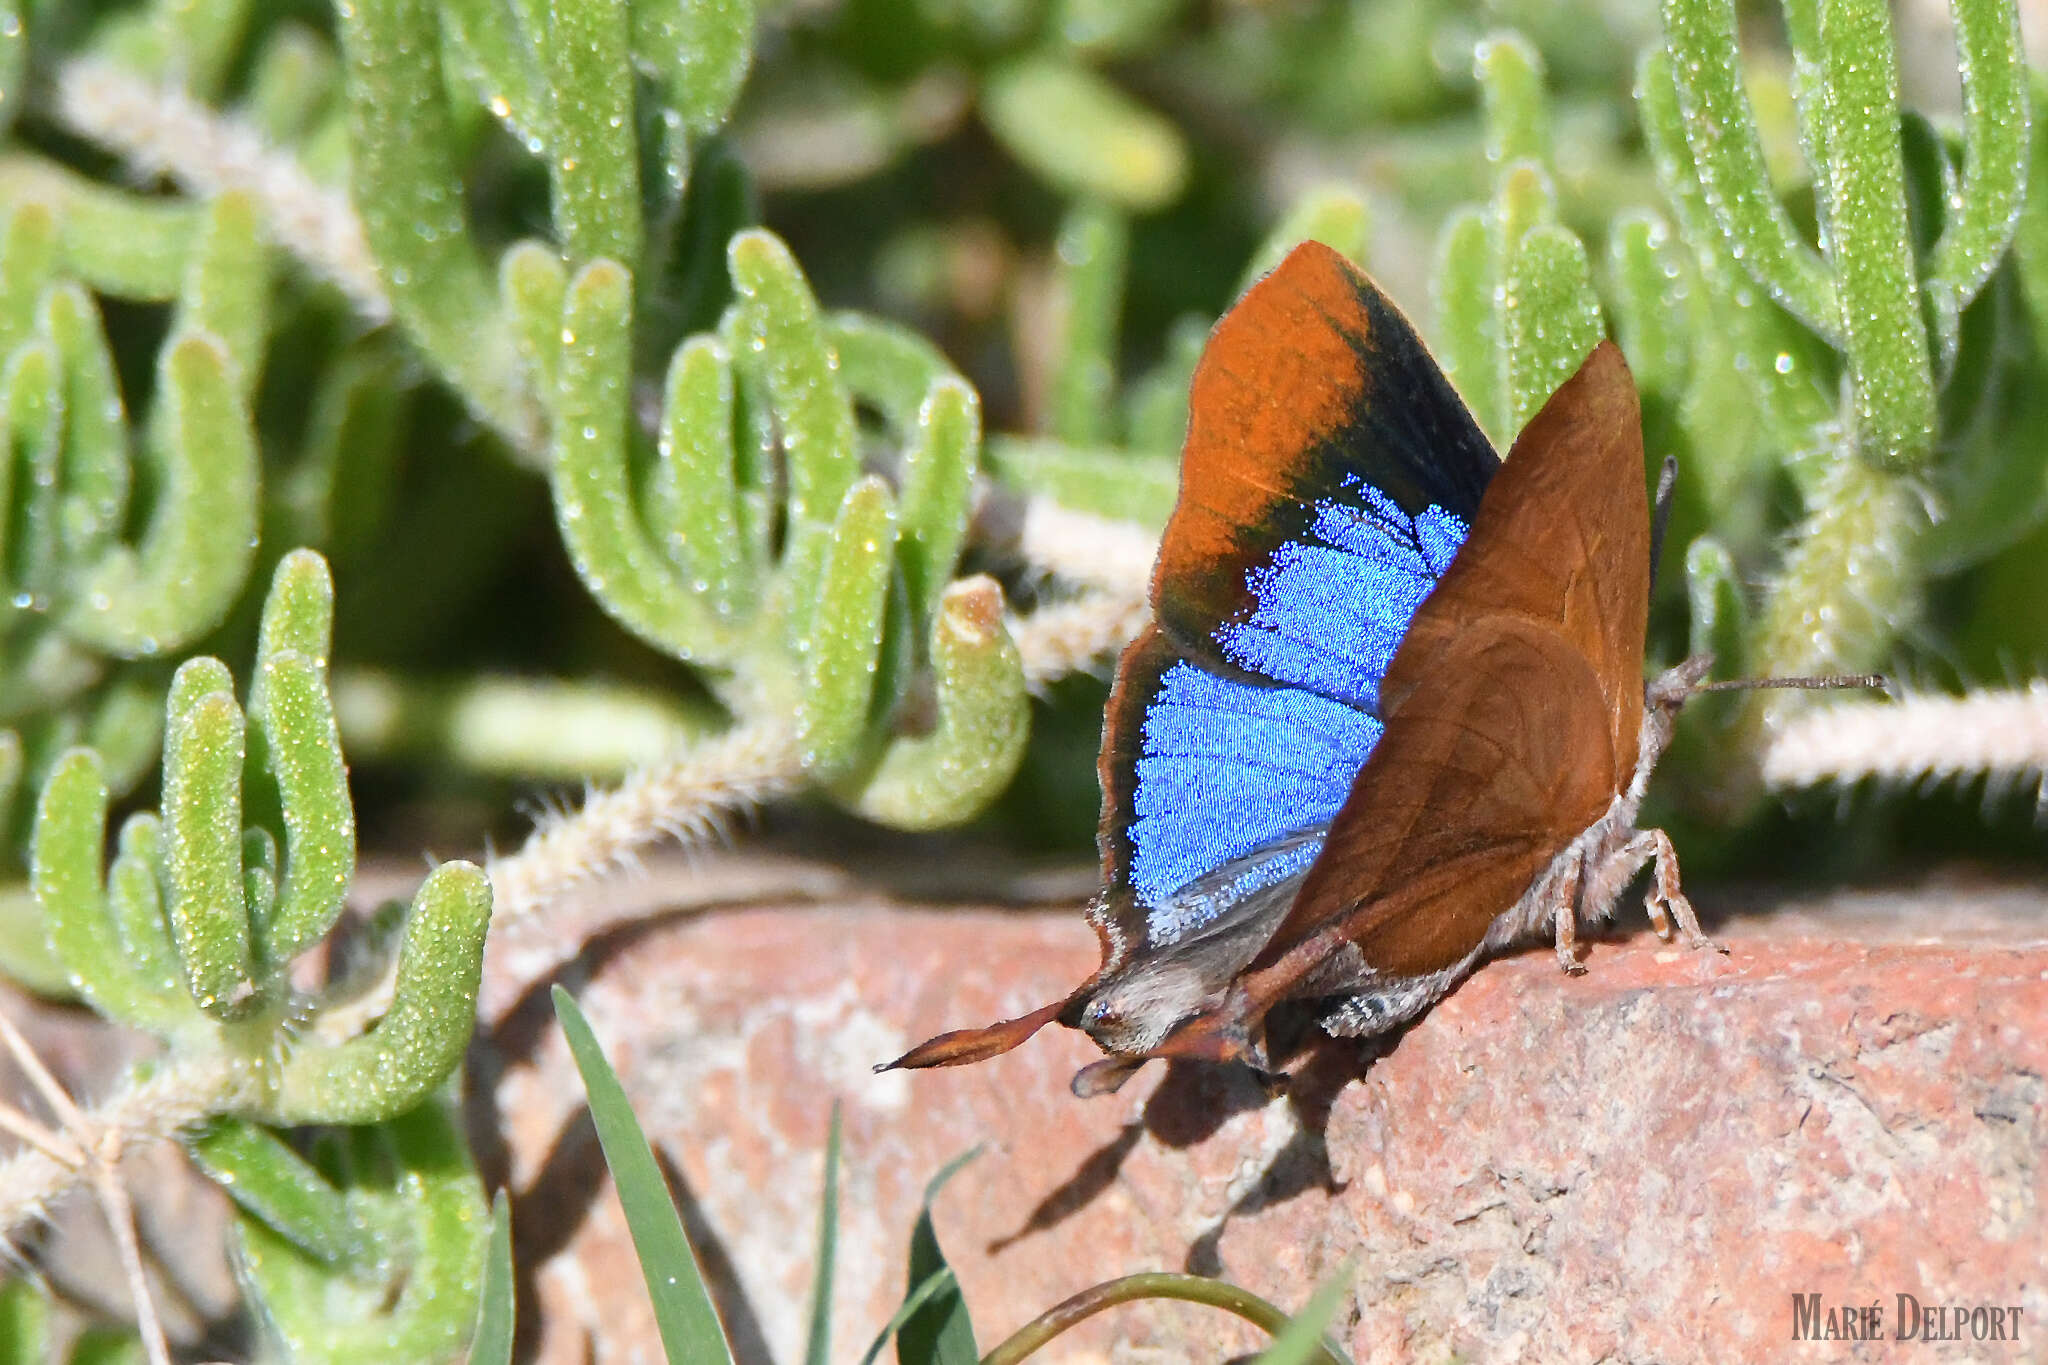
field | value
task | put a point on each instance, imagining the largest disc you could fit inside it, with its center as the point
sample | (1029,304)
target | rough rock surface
(1644,1163)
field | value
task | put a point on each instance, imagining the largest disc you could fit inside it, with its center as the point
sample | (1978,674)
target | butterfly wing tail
(962,1046)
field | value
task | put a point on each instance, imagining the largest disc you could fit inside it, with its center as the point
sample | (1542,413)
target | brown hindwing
(1512,706)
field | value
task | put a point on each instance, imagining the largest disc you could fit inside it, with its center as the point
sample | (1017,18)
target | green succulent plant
(86,611)
(191,935)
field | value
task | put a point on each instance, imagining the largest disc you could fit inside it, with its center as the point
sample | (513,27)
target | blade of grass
(1301,1340)
(818,1347)
(936,1283)
(940,1332)
(492,1344)
(690,1330)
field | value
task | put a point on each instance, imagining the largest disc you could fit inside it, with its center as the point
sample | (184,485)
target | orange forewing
(1280,373)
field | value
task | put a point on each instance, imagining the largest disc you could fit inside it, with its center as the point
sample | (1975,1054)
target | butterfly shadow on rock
(1191,1105)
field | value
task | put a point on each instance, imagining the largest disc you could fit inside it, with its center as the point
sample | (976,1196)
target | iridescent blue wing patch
(1202,769)
(1325,612)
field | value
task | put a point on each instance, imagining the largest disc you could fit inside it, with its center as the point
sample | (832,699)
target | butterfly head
(1133,1011)
(1669,690)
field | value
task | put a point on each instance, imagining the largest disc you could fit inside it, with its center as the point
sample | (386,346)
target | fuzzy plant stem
(76,1143)
(1076,636)
(688,797)
(1846,584)
(159,130)
(1095,552)
(685,798)
(2000,734)
(1112,560)
(174,1100)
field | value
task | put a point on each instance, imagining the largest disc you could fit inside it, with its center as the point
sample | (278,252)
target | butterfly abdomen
(1367,1013)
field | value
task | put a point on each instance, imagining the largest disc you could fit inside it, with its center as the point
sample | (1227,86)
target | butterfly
(1390,715)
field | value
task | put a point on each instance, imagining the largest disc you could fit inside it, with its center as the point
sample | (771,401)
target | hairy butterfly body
(1391,713)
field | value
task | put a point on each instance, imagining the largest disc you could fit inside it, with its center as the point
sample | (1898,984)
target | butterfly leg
(1665,901)
(1665,896)
(1564,916)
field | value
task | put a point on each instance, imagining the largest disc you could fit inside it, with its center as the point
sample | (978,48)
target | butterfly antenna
(1667,485)
(1871,680)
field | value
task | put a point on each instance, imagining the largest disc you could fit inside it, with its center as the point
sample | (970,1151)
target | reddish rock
(1644,1163)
